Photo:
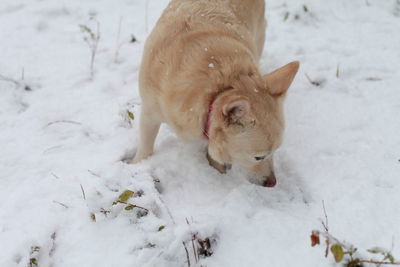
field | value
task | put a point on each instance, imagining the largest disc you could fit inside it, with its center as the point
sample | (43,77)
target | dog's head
(247,125)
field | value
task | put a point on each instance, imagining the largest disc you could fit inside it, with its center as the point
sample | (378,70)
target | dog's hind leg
(148,131)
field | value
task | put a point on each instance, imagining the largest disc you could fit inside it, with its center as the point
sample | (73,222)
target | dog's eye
(260,158)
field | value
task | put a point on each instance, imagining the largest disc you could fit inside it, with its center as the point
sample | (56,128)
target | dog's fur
(206,52)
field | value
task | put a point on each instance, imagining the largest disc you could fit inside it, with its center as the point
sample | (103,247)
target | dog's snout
(270,180)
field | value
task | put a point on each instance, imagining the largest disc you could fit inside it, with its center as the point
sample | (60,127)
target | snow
(341,144)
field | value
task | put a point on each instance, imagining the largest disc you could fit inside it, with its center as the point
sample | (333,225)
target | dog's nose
(270,181)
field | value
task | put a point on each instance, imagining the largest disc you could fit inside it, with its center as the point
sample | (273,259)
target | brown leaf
(314,239)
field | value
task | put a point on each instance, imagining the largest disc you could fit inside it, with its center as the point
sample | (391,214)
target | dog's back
(235,13)
(190,39)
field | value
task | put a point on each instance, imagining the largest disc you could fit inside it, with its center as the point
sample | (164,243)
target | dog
(200,74)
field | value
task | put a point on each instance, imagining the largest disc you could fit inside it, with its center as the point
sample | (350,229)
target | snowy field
(63,138)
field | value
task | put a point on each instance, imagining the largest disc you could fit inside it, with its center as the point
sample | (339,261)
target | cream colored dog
(200,75)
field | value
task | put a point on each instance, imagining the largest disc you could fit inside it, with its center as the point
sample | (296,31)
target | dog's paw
(128,157)
(135,160)
(222,168)
(139,157)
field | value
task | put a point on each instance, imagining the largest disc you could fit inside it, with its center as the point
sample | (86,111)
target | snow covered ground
(61,143)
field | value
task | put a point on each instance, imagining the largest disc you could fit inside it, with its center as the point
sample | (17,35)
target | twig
(315,83)
(196,256)
(373,79)
(134,205)
(53,245)
(62,204)
(63,121)
(325,225)
(118,44)
(193,246)
(55,176)
(51,148)
(168,211)
(95,44)
(92,40)
(187,254)
(286,16)
(7,79)
(326,218)
(83,192)
(379,262)
(18,84)
(93,173)
(337,71)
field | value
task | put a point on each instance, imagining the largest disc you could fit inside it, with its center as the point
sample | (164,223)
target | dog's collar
(208,121)
(207,124)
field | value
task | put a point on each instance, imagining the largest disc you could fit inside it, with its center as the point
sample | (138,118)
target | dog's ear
(235,109)
(278,81)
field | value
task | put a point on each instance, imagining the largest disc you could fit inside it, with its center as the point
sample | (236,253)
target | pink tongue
(270,181)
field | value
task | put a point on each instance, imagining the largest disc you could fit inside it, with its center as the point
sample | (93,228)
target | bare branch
(62,204)
(167,209)
(17,83)
(55,176)
(326,217)
(340,249)
(83,192)
(63,121)
(93,173)
(194,249)
(118,45)
(132,205)
(187,254)
(92,40)
(315,83)
(379,262)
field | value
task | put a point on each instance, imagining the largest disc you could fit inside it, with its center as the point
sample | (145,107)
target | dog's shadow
(290,179)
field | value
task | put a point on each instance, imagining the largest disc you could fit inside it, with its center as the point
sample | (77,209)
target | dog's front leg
(148,131)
